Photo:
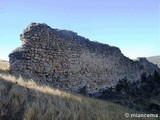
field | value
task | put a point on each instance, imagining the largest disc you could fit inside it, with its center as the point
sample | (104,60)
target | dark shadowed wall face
(69,61)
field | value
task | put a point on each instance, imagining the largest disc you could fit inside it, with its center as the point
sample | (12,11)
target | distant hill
(154,59)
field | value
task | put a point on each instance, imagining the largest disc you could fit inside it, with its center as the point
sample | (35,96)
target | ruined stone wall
(69,61)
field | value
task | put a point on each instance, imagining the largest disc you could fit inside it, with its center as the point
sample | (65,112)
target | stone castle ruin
(64,59)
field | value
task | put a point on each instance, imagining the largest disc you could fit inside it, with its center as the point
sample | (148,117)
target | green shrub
(123,85)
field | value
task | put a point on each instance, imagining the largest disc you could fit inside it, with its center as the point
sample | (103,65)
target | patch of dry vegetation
(25,100)
(4,65)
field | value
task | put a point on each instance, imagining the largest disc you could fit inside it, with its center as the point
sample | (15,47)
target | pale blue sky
(131,25)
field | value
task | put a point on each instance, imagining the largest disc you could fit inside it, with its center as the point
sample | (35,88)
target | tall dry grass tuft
(25,100)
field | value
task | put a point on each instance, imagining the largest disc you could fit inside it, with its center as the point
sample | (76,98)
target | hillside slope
(155,60)
(25,99)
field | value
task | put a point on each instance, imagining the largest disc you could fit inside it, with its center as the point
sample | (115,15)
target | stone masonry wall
(66,60)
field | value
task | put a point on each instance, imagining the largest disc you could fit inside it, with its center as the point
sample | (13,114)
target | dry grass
(4,65)
(25,100)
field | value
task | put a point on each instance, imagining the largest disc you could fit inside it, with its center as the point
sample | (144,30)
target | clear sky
(131,25)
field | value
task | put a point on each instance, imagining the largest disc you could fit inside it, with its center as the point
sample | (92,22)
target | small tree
(83,90)
(156,76)
(123,86)
(143,77)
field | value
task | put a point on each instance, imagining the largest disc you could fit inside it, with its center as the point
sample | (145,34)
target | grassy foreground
(25,100)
